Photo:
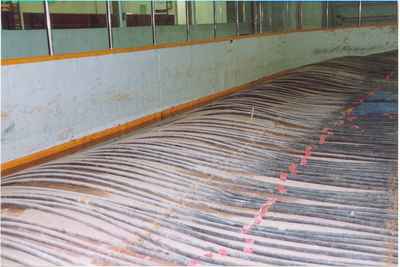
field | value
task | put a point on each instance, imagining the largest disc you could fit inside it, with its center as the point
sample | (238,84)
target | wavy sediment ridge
(300,170)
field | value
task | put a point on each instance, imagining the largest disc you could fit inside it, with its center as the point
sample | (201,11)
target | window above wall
(13,16)
(77,26)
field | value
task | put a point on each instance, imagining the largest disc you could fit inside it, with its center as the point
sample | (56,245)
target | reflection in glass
(133,24)
(312,15)
(343,14)
(225,18)
(247,12)
(23,29)
(170,21)
(78,26)
(379,12)
(201,18)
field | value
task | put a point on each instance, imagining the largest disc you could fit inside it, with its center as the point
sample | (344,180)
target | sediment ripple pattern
(182,192)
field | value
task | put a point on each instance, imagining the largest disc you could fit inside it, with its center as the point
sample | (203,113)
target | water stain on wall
(345,48)
(8,129)
(3,115)
(120,97)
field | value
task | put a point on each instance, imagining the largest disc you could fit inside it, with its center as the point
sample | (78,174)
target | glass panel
(312,14)
(278,16)
(379,12)
(170,21)
(343,14)
(246,17)
(78,25)
(23,29)
(266,16)
(132,27)
(226,23)
(202,19)
(291,15)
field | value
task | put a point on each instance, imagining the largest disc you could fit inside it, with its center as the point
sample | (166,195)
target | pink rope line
(283,177)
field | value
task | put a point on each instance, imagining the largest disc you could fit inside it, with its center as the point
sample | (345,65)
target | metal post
(237,17)
(215,19)
(327,13)
(187,9)
(270,17)
(254,15)
(287,16)
(109,25)
(299,15)
(48,27)
(21,16)
(153,21)
(359,13)
(260,16)
(120,15)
